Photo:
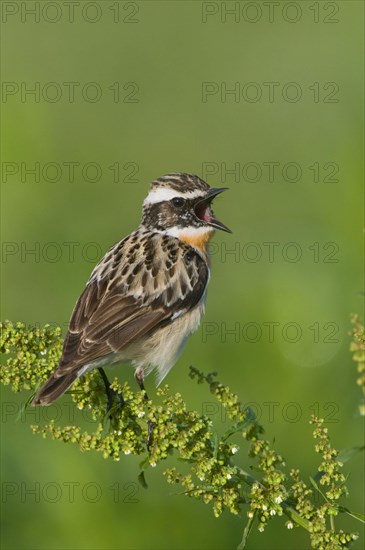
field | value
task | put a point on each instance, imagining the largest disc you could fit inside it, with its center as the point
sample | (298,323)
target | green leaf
(144,464)
(24,406)
(359,517)
(315,485)
(142,480)
(246,533)
(239,426)
(347,454)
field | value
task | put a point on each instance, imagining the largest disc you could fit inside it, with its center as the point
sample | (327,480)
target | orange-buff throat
(197,241)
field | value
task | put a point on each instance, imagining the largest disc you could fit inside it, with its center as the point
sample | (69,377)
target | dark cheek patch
(160,215)
(163,215)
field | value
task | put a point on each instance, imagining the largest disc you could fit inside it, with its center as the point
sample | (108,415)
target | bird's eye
(178,202)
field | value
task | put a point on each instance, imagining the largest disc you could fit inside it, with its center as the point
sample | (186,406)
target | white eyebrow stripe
(166,194)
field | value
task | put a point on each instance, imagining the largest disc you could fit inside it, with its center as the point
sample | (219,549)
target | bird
(147,294)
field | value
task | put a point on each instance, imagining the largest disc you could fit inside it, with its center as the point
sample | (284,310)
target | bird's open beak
(204,212)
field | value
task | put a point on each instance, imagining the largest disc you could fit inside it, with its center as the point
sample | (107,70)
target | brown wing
(141,283)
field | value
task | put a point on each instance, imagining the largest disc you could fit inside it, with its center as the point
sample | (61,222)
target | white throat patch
(190,231)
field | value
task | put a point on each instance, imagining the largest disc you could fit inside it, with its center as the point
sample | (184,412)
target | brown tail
(54,388)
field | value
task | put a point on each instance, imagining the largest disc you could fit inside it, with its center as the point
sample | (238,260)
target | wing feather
(128,296)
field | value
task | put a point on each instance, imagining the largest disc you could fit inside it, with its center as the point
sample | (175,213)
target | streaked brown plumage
(146,296)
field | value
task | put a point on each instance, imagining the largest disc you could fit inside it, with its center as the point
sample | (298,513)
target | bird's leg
(139,379)
(150,425)
(111,394)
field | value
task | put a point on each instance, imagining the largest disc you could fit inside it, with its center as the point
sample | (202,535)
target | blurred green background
(292,270)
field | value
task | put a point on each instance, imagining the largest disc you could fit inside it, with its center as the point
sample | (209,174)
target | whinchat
(147,294)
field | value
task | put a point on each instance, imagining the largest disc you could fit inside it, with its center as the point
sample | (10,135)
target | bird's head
(180,205)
